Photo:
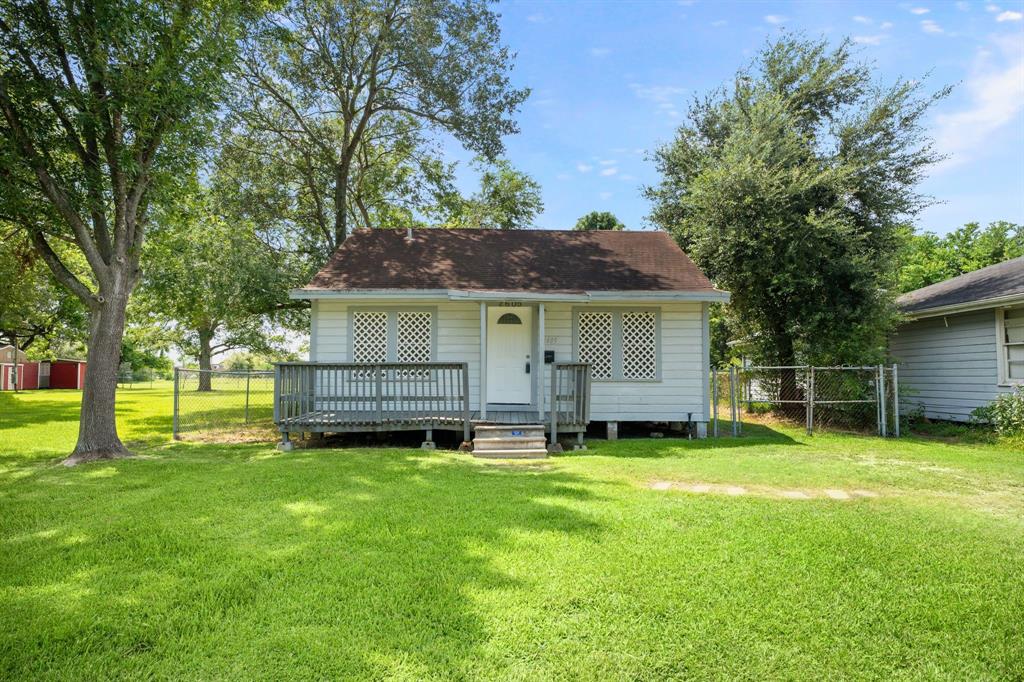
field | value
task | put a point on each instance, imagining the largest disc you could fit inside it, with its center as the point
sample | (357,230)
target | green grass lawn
(236,561)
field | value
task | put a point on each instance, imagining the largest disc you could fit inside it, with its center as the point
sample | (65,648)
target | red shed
(65,373)
(26,376)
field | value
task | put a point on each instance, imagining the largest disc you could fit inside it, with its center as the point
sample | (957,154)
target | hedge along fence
(853,398)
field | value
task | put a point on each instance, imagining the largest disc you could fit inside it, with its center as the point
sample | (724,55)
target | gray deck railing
(570,396)
(329,397)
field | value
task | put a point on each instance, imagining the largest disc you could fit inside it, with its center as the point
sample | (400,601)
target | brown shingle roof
(995,281)
(518,260)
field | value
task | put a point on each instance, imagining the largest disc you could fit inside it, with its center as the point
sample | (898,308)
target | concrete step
(531,453)
(508,431)
(508,443)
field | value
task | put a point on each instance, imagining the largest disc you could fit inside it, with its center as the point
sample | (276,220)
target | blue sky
(612,80)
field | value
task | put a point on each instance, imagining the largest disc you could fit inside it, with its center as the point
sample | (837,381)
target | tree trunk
(340,205)
(789,389)
(97,427)
(205,360)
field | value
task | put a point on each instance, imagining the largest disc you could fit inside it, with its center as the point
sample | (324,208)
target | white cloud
(719,22)
(862,20)
(605,195)
(885,25)
(1009,15)
(996,92)
(657,93)
(600,51)
(963,6)
(627,177)
(607,162)
(991,8)
(537,18)
(929,26)
(584,167)
(870,40)
(774,18)
(608,172)
(919,10)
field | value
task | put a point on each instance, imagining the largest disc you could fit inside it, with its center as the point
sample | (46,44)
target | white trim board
(521,296)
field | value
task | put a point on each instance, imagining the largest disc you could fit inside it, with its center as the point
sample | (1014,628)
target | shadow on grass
(236,561)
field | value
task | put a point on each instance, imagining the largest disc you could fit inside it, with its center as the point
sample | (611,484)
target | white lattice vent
(639,346)
(595,343)
(414,336)
(369,336)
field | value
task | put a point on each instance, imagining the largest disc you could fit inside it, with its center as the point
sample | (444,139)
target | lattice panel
(369,337)
(639,346)
(414,337)
(595,343)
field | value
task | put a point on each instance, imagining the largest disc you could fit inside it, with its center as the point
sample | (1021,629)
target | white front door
(508,354)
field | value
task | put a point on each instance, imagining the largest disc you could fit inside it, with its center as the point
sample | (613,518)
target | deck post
(554,403)
(379,388)
(538,362)
(465,403)
(613,430)
(483,360)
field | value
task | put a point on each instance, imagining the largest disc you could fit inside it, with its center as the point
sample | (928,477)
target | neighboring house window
(1011,341)
(392,336)
(618,345)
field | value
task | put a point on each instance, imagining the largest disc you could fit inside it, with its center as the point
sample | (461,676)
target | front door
(508,355)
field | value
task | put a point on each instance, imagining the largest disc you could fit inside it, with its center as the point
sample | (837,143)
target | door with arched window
(509,334)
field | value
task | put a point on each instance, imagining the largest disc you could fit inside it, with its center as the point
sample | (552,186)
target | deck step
(510,440)
(509,443)
(531,453)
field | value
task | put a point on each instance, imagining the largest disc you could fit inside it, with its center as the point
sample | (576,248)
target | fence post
(810,401)
(881,405)
(733,401)
(714,401)
(895,400)
(174,422)
(247,377)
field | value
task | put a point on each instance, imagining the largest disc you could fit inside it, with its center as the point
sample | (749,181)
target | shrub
(1005,413)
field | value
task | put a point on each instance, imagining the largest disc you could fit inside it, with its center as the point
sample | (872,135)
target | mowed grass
(237,562)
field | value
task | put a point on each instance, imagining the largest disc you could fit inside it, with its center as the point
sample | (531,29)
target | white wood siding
(681,387)
(948,365)
(457,324)
(679,391)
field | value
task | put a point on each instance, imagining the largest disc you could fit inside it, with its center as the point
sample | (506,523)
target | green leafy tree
(102,105)
(928,258)
(345,92)
(789,187)
(508,199)
(213,280)
(599,220)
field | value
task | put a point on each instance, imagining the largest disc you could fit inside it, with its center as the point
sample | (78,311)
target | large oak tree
(103,104)
(790,187)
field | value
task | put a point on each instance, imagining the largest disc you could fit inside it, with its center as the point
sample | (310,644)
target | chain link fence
(861,399)
(218,402)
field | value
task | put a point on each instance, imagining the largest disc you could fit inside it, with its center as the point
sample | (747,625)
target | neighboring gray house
(630,306)
(963,342)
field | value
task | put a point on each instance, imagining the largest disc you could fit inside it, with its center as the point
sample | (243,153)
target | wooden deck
(349,420)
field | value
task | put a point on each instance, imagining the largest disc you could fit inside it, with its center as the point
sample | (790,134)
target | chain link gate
(844,398)
(218,401)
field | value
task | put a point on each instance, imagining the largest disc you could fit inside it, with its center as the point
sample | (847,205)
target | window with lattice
(639,346)
(619,345)
(369,336)
(414,337)
(595,343)
(392,336)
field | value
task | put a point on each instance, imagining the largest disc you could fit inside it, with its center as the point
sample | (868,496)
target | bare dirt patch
(735,490)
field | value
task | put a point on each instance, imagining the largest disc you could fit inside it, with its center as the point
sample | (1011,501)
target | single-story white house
(629,307)
(962,343)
